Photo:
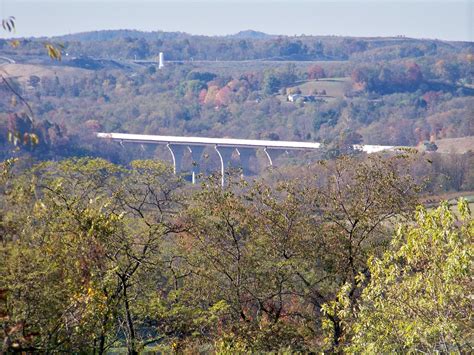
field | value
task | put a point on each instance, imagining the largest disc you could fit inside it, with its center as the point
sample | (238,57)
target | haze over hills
(244,45)
(101,35)
(447,19)
(105,35)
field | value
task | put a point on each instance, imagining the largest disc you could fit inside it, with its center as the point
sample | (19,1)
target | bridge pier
(225,147)
(177,152)
(225,155)
(196,153)
(245,154)
(272,154)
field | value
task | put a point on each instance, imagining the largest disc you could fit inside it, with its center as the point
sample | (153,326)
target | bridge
(225,148)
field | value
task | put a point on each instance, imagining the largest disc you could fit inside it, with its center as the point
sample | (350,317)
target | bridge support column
(177,152)
(245,154)
(225,154)
(196,153)
(272,154)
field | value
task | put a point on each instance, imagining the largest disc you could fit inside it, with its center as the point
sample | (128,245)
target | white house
(294,97)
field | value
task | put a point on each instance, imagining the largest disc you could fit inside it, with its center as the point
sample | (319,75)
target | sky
(443,19)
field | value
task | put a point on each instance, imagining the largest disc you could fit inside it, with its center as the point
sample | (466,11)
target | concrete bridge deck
(224,147)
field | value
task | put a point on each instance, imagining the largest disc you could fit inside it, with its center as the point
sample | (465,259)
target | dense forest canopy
(97,256)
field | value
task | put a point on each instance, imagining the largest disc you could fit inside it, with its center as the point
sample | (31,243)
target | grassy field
(455,145)
(334,86)
(23,71)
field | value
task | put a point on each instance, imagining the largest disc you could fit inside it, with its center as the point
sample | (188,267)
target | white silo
(161,61)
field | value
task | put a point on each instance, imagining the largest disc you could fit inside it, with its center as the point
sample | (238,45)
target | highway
(229,142)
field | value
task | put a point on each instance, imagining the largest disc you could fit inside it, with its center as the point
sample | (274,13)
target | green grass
(455,145)
(23,71)
(334,87)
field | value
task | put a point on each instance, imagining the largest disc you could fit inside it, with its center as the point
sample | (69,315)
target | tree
(414,75)
(81,249)
(287,75)
(316,72)
(418,298)
(224,96)
(271,83)
(30,137)
(360,79)
(355,207)
(234,250)
(277,254)
(448,71)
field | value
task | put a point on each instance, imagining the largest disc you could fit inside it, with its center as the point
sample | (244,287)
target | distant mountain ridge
(125,44)
(110,35)
(250,34)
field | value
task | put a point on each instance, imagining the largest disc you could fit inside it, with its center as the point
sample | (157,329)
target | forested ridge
(389,91)
(104,249)
(245,45)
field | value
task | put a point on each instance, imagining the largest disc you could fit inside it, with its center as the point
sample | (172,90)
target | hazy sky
(447,19)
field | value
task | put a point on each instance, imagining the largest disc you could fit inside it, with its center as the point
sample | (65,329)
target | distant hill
(250,34)
(245,45)
(110,35)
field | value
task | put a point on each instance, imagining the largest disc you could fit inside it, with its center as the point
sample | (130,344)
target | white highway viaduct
(224,147)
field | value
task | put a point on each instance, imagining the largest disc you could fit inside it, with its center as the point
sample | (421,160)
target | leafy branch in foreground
(8,24)
(14,136)
(419,298)
(54,51)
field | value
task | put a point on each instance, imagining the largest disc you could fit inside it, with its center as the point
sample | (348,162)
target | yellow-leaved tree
(420,295)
